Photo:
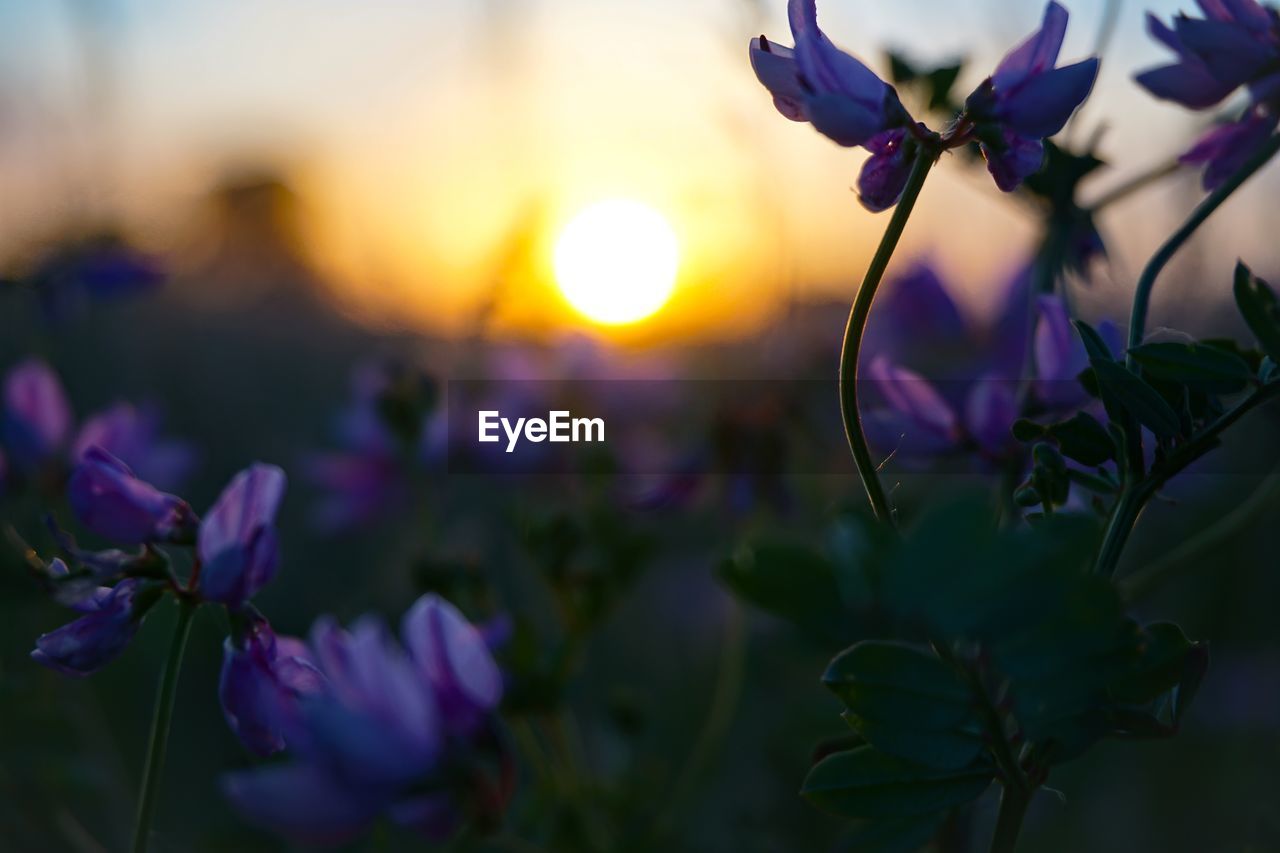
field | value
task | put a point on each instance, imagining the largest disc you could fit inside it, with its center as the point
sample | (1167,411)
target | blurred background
(323,186)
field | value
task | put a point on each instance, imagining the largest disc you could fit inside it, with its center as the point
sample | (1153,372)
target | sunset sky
(425,139)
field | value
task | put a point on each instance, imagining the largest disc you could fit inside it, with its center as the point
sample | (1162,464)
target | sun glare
(616,261)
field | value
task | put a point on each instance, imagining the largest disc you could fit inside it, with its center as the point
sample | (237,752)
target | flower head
(82,647)
(821,84)
(1236,44)
(381,730)
(131,433)
(976,409)
(37,418)
(237,544)
(113,503)
(1027,100)
(263,678)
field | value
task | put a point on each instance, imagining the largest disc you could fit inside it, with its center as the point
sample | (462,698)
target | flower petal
(1042,105)
(1037,54)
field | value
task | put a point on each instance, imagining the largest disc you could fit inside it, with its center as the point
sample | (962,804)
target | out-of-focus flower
(37,425)
(455,658)
(1224,150)
(100,267)
(82,647)
(237,544)
(37,417)
(1236,44)
(262,678)
(386,733)
(391,426)
(113,503)
(974,411)
(132,434)
(1027,100)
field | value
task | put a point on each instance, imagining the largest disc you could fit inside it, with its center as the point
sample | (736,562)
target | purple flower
(821,84)
(84,646)
(885,174)
(37,418)
(390,425)
(263,677)
(975,409)
(1225,149)
(1027,100)
(455,658)
(113,503)
(132,435)
(379,731)
(237,544)
(1236,44)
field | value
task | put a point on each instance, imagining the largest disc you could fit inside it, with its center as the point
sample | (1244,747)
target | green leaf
(1260,309)
(1208,369)
(867,783)
(1084,439)
(950,749)
(1094,345)
(1139,399)
(1159,667)
(907,702)
(791,581)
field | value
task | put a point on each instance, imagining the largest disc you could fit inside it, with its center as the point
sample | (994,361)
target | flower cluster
(391,427)
(235,555)
(1236,44)
(40,441)
(372,727)
(974,409)
(1010,114)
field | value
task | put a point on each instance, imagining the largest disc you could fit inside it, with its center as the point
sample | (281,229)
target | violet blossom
(112,502)
(109,622)
(263,677)
(1027,100)
(975,409)
(381,732)
(1236,44)
(236,544)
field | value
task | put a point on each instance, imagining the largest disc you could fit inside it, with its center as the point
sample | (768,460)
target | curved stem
(1141,583)
(1142,297)
(1136,494)
(1014,801)
(160,726)
(857,326)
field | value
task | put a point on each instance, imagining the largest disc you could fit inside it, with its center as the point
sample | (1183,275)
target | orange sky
(436,149)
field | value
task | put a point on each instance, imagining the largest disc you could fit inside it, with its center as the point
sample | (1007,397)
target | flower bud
(237,540)
(113,503)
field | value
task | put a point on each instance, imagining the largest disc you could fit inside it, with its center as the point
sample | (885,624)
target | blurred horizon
(419,161)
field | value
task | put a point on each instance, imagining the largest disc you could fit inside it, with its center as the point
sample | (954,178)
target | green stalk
(1206,208)
(160,726)
(851,351)
(1135,496)
(1014,801)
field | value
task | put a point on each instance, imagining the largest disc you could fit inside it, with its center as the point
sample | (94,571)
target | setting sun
(616,261)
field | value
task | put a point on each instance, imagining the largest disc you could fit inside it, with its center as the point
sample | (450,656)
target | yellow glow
(616,261)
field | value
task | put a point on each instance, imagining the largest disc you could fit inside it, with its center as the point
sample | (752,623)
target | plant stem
(1206,208)
(857,326)
(1014,801)
(1119,527)
(1136,493)
(1141,583)
(160,725)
